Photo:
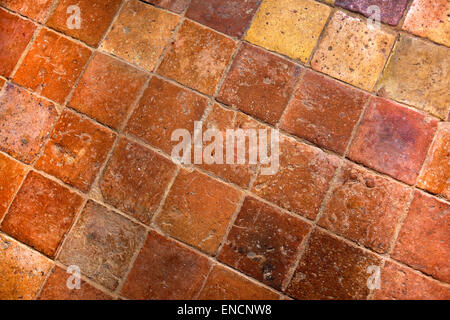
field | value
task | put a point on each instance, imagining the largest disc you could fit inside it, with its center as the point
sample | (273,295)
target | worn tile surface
(390,11)
(11,177)
(34,9)
(177,6)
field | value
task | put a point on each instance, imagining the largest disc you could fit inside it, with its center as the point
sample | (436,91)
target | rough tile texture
(34,9)
(289,27)
(166,270)
(352,51)
(11,176)
(259,83)
(393,139)
(140,34)
(324,111)
(418,74)
(102,244)
(391,11)
(197,57)
(263,242)
(198,210)
(177,6)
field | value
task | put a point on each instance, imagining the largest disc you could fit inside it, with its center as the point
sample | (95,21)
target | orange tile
(11,176)
(177,6)
(34,9)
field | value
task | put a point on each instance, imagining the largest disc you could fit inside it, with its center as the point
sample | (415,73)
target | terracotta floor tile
(324,111)
(259,83)
(424,240)
(41,214)
(263,242)
(197,57)
(102,244)
(34,9)
(11,176)
(166,270)
(25,123)
(140,34)
(289,27)
(52,65)
(352,51)
(135,180)
(22,270)
(332,269)
(177,6)
(393,139)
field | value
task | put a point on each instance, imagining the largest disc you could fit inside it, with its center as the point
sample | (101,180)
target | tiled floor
(86,177)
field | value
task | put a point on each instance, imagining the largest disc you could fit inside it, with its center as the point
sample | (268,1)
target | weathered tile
(140,34)
(427,224)
(353,51)
(259,83)
(197,57)
(52,65)
(418,73)
(165,270)
(390,11)
(198,210)
(290,27)
(332,269)
(365,207)
(34,9)
(11,176)
(135,180)
(102,244)
(177,6)
(393,139)
(263,242)
(324,111)
(25,123)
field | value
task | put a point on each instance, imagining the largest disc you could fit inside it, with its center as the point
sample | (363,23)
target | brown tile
(136,179)
(198,210)
(424,240)
(102,243)
(231,17)
(332,269)
(25,123)
(34,9)
(224,284)
(140,34)
(15,33)
(263,242)
(393,139)
(41,214)
(165,270)
(197,57)
(11,176)
(52,65)
(22,270)
(259,83)
(96,16)
(365,207)
(324,111)
(177,6)
(163,108)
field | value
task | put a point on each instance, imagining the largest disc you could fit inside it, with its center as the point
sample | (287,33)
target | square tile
(332,269)
(259,83)
(165,270)
(25,123)
(393,139)
(76,150)
(102,243)
(289,27)
(353,51)
(198,210)
(135,180)
(418,74)
(177,6)
(41,214)
(264,242)
(34,9)
(140,34)
(15,33)
(427,224)
(52,65)
(197,57)
(324,111)
(365,207)
(231,17)
(11,176)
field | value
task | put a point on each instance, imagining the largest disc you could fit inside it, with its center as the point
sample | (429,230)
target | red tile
(11,176)
(165,270)
(263,242)
(52,65)
(25,123)
(76,150)
(424,240)
(177,6)
(34,9)
(393,139)
(41,214)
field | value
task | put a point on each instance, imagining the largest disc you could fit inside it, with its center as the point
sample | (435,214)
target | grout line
(47,276)
(322,34)
(197,295)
